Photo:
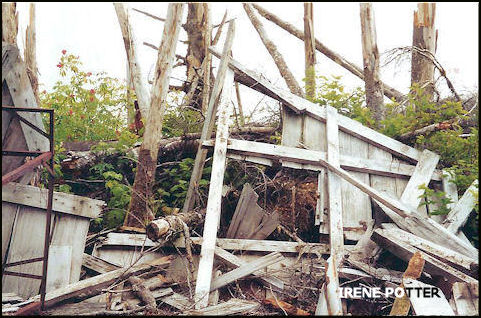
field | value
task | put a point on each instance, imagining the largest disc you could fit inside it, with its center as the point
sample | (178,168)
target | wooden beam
(298,158)
(235,261)
(97,264)
(213,210)
(309,50)
(62,202)
(246,270)
(92,286)
(421,176)
(434,249)
(458,216)
(209,120)
(302,106)
(405,252)
(138,240)
(233,306)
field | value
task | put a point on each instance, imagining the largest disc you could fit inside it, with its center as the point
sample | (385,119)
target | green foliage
(180,120)
(119,199)
(348,103)
(437,199)
(87,106)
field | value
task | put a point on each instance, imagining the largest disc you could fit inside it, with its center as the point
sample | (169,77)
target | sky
(91,30)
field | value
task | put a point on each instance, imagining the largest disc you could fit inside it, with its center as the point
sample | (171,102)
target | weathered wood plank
(209,119)
(97,264)
(427,306)
(466,303)
(137,240)
(231,307)
(461,211)
(421,176)
(405,251)
(235,261)
(213,209)
(434,249)
(62,202)
(58,271)
(93,286)
(245,270)
(263,153)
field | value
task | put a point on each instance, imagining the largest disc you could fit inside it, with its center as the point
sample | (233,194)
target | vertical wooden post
(207,59)
(309,50)
(139,210)
(212,216)
(424,38)
(30,52)
(370,57)
(276,55)
(208,122)
(143,97)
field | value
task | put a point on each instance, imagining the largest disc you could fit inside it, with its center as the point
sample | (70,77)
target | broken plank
(177,301)
(427,306)
(233,306)
(405,252)
(458,216)
(213,209)
(93,286)
(300,105)
(128,239)
(435,250)
(245,270)
(62,202)
(97,264)
(235,261)
(261,153)
(421,176)
(466,303)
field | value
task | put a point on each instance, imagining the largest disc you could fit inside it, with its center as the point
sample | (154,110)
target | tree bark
(142,291)
(30,52)
(424,38)
(169,228)
(198,28)
(276,55)
(139,213)
(351,67)
(310,50)
(9,22)
(132,59)
(370,56)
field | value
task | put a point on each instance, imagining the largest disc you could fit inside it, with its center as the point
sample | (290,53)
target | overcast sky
(91,30)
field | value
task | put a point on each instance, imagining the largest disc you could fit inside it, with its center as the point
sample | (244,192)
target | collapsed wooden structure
(359,171)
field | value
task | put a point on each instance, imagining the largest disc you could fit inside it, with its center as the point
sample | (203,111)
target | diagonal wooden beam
(461,211)
(213,209)
(209,120)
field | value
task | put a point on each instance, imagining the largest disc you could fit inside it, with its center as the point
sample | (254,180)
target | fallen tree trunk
(142,291)
(351,67)
(169,228)
(80,157)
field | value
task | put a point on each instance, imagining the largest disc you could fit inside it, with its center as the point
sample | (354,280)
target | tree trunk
(132,59)
(370,56)
(9,22)
(30,52)
(424,39)
(310,50)
(351,67)
(170,227)
(198,28)
(276,55)
(140,213)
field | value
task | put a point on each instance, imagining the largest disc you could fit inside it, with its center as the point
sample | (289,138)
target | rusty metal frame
(41,159)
